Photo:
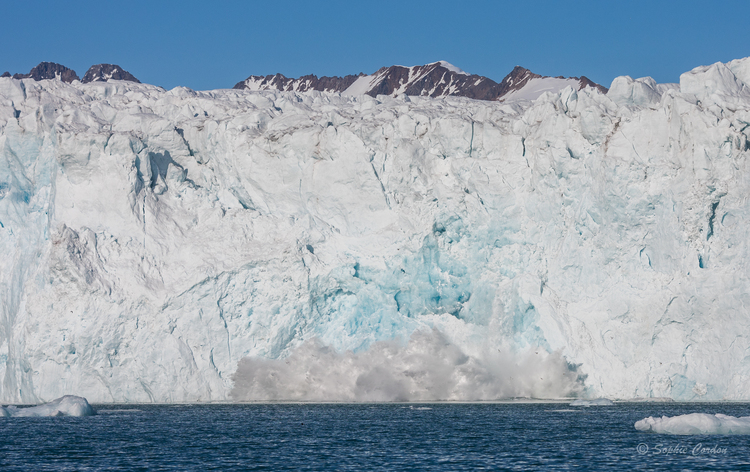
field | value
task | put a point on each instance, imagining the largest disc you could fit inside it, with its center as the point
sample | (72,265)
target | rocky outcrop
(303,84)
(105,72)
(438,79)
(49,70)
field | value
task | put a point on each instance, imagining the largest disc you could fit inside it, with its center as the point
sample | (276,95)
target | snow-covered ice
(175,245)
(539,85)
(695,423)
(68,405)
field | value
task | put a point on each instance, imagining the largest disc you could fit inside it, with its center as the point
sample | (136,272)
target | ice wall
(187,246)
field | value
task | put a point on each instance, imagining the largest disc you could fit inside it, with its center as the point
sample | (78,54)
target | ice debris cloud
(427,368)
(695,423)
(162,245)
(68,405)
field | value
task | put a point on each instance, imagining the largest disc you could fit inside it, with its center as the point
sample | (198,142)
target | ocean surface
(432,436)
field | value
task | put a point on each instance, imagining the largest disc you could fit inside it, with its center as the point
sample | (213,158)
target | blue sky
(207,45)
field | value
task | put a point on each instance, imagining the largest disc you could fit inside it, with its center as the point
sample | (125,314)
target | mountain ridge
(53,70)
(437,79)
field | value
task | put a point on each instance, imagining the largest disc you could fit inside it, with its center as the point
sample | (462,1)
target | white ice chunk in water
(695,423)
(69,405)
(596,402)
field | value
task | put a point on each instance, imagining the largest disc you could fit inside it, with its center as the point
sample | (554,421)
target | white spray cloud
(427,368)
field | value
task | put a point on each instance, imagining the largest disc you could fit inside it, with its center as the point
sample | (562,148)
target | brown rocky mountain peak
(49,70)
(437,79)
(104,72)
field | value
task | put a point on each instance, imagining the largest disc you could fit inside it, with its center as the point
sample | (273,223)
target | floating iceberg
(69,405)
(695,423)
(596,402)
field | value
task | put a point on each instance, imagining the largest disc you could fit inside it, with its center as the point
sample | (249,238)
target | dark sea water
(437,436)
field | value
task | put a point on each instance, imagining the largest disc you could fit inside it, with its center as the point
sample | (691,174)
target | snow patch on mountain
(451,67)
(432,80)
(438,79)
(539,85)
(362,85)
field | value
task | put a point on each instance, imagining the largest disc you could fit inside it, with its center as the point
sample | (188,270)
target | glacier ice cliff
(234,245)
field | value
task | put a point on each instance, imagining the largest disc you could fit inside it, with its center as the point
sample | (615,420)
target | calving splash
(427,368)
(173,246)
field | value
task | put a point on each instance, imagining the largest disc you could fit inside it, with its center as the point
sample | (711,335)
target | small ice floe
(596,402)
(118,411)
(695,423)
(650,400)
(69,405)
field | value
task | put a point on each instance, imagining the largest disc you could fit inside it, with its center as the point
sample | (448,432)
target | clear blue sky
(207,45)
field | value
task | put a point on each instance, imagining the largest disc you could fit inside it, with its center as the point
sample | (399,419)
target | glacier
(227,245)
